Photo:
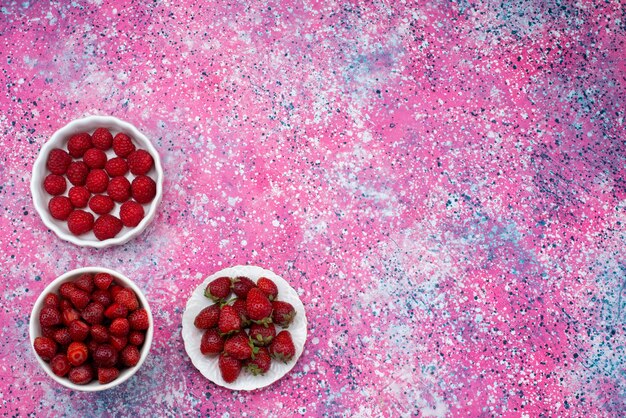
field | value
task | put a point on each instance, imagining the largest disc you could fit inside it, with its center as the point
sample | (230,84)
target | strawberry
(229,321)
(99,333)
(119,189)
(283,313)
(58,161)
(78,144)
(140,162)
(62,336)
(143,189)
(107,374)
(102,280)
(48,332)
(54,184)
(80,222)
(97,181)
(104,356)
(282,347)
(131,213)
(66,289)
(261,362)
(115,289)
(95,158)
(92,346)
(208,317)
(102,297)
(258,306)
(101,204)
(116,310)
(65,304)
(116,167)
(212,342)
(139,320)
(68,315)
(51,300)
(119,327)
(77,173)
(79,196)
(81,375)
(123,145)
(241,286)
(60,365)
(102,139)
(136,338)
(218,289)
(60,207)
(262,335)
(229,368)
(130,356)
(49,316)
(45,347)
(77,353)
(85,282)
(93,313)
(240,307)
(78,330)
(239,346)
(106,227)
(118,342)
(79,298)
(268,287)
(127,298)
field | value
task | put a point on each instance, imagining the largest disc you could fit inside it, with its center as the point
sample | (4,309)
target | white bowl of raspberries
(244,327)
(97,182)
(91,329)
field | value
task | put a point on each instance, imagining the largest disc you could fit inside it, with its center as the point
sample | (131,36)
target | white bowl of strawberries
(97,182)
(244,327)
(91,329)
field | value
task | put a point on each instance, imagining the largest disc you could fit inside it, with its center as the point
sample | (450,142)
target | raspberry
(143,189)
(58,161)
(95,158)
(119,189)
(77,173)
(140,162)
(101,204)
(97,181)
(79,196)
(107,226)
(54,184)
(131,213)
(60,207)
(123,145)
(80,222)
(102,139)
(78,144)
(116,167)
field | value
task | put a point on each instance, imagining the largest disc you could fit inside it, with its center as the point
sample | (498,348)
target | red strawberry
(116,310)
(258,306)
(104,356)
(262,335)
(131,213)
(103,280)
(268,287)
(78,330)
(241,286)
(101,204)
(45,347)
(107,226)
(81,375)
(123,145)
(116,167)
(85,282)
(119,327)
(208,317)
(102,297)
(52,300)
(58,161)
(136,338)
(60,207)
(127,297)
(60,365)
(118,342)
(49,316)
(54,184)
(62,336)
(93,313)
(143,189)
(69,315)
(92,346)
(130,356)
(97,181)
(229,368)
(66,304)
(140,162)
(95,158)
(139,320)
(212,342)
(99,333)
(78,144)
(282,347)
(218,289)
(48,332)
(77,353)
(115,289)
(240,307)
(229,321)
(66,289)
(283,313)
(79,196)
(102,139)
(77,173)
(239,346)
(119,189)
(79,298)
(261,362)
(107,374)
(80,222)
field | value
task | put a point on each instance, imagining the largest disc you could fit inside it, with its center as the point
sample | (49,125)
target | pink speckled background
(442,183)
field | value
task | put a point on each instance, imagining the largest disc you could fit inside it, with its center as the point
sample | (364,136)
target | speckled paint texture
(442,183)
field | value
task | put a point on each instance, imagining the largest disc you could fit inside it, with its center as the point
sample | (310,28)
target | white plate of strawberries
(244,327)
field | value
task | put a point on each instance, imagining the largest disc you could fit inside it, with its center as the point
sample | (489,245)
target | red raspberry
(77,173)
(143,189)
(78,144)
(79,196)
(54,184)
(131,213)
(123,145)
(95,158)
(60,207)
(80,222)
(102,139)
(58,161)
(97,181)
(116,167)
(140,162)
(60,365)
(107,226)
(81,375)
(119,189)
(101,204)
